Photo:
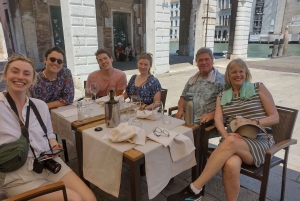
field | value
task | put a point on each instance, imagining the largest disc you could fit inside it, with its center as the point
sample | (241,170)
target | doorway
(121,28)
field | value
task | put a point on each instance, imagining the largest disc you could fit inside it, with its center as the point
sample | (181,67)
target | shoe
(186,194)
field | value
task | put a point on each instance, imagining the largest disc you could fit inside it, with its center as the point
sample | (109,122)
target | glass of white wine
(88,94)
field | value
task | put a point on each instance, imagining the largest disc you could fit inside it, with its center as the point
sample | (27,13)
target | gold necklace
(48,78)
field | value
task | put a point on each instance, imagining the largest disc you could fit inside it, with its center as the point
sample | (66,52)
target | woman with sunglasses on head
(29,117)
(54,83)
(145,85)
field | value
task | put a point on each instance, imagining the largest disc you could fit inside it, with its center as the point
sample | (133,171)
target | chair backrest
(284,129)
(164,96)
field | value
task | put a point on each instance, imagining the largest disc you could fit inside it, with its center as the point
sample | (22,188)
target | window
(177,5)
(171,23)
(175,31)
(176,13)
(171,37)
(171,13)
(176,23)
(171,31)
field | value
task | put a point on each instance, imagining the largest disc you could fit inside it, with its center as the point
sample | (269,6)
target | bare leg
(73,182)
(230,146)
(231,177)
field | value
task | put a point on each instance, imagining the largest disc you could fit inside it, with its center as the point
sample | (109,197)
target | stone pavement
(282,77)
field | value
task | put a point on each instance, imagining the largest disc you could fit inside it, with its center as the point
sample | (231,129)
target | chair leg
(64,143)
(265,179)
(284,174)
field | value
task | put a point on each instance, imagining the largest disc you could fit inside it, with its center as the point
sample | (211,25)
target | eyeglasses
(159,132)
(53,59)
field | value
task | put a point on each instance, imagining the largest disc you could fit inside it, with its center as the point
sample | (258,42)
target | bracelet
(257,121)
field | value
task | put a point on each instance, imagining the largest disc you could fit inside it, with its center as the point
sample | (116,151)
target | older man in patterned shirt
(205,85)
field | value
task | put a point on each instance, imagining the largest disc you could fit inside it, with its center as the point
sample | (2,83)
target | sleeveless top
(251,108)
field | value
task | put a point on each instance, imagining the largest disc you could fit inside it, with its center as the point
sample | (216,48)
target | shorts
(24,179)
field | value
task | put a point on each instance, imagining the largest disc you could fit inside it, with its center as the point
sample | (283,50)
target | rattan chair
(37,192)
(282,133)
(163,98)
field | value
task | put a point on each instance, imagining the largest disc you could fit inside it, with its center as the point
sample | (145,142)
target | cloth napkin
(210,78)
(69,113)
(246,92)
(180,147)
(127,133)
(164,140)
(146,114)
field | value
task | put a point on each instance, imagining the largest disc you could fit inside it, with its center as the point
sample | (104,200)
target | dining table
(133,155)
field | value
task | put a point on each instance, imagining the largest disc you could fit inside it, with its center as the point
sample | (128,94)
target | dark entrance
(57,28)
(121,27)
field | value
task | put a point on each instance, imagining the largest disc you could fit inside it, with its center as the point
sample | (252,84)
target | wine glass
(88,94)
(94,89)
(135,103)
(157,109)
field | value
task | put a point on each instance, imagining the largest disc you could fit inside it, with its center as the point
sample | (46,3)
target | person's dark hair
(204,50)
(129,44)
(148,56)
(56,49)
(103,51)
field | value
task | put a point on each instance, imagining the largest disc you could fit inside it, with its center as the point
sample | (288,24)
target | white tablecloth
(102,159)
(62,125)
(159,166)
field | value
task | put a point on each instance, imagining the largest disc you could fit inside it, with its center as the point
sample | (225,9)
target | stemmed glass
(157,109)
(135,103)
(94,89)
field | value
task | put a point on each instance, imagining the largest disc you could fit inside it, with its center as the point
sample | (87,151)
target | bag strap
(38,116)
(268,136)
(140,86)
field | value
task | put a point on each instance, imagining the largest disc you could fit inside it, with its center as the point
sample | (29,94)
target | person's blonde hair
(243,65)
(148,56)
(19,57)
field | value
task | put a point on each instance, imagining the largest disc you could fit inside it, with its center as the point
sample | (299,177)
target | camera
(44,163)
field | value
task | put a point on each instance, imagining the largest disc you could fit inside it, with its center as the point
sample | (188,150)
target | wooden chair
(43,190)
(282,133)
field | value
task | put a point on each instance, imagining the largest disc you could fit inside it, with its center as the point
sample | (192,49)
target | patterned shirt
(147,91)
(205,94)
(61,89)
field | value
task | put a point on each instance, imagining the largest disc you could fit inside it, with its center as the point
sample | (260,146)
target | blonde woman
(19,75)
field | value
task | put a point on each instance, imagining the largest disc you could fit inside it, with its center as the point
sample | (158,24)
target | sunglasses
(52,59)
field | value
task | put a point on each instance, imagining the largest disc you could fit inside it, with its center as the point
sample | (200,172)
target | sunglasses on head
(52,59)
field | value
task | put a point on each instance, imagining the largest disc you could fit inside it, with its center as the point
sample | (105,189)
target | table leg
(79,149)
(135,178)
(198,154)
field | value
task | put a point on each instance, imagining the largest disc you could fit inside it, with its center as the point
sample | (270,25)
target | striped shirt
(251,108)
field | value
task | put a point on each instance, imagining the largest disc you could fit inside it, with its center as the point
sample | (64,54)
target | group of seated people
(216,97)
(124,55)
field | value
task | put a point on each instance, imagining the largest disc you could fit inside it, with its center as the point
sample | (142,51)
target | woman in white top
(19,75)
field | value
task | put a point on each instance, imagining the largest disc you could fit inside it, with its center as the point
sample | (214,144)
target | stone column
(157,34)
(80,34)
(241,32)
(186,7)
(205,24)
(3,50)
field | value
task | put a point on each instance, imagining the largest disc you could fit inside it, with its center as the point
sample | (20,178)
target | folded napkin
(210,78)
(247,91)
(164,140)
(127,133)
(68,113)
(106,98)
(147,114)
(180,147)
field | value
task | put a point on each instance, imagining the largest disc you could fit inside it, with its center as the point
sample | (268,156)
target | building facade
(175,20)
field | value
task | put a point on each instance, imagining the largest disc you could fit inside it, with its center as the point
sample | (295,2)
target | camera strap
(24,128)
